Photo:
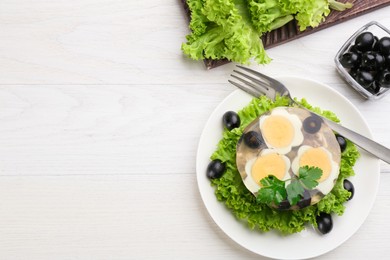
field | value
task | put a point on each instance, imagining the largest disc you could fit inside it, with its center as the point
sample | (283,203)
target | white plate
(308,243)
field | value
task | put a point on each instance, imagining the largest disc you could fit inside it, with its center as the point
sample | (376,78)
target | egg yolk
(317,157)
(278,131)
(269,164)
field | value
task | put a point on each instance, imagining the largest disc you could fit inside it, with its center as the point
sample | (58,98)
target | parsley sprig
(275,191)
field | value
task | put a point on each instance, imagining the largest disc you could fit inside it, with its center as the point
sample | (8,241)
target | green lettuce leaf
(223,31)
(268,15)
(312,14)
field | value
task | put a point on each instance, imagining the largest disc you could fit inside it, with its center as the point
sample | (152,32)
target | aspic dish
(281,141)
(274,164)
(236,227)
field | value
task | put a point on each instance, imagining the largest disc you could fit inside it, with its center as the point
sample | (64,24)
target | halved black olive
(215,169)
(305,201)
(349,187)
(253,139)
(364,41)
(312,124)
(324,223)
(342,142)
(284,205)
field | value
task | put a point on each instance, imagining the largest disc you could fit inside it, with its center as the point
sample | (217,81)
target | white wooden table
(100,119)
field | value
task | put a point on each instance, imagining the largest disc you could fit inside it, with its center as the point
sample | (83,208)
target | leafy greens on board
(231,29)
(231,191)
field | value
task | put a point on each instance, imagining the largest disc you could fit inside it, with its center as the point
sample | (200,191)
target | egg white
(327,185)
(296,123)
(250,183)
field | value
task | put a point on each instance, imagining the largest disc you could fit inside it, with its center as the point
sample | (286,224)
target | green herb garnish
(275,191)
(309,176)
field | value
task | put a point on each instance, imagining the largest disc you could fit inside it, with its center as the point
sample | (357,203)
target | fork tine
(259,82)
(271,80)
(248,90)
(250,84)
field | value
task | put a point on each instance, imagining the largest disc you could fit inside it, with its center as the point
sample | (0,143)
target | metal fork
(258,84)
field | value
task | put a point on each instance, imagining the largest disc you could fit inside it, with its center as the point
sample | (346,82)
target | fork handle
(363,142)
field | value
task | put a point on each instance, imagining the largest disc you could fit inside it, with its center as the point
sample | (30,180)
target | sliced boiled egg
(281,130)
(268,163)
(317,157)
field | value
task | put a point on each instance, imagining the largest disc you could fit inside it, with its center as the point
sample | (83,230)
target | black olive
(369,60)
(215,169)
(312,124)
(364,78)
(253,139)
(387,60)
(384,79)
(305,201)
(354,50)
(350,60)
(284,205)
(379,61)
(324,223)
(375,45)
(353,72)
(384,45)
(375,87)
(231,120)
(349,187)
(364,41)
(342,142)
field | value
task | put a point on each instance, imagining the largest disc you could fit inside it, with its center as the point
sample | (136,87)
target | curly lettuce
(222,30)
(231,29)
(268,15)
(231,191)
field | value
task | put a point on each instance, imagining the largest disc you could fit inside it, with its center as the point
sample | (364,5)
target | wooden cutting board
(291,31)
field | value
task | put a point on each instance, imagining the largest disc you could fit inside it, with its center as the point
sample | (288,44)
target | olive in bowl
(364,60)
